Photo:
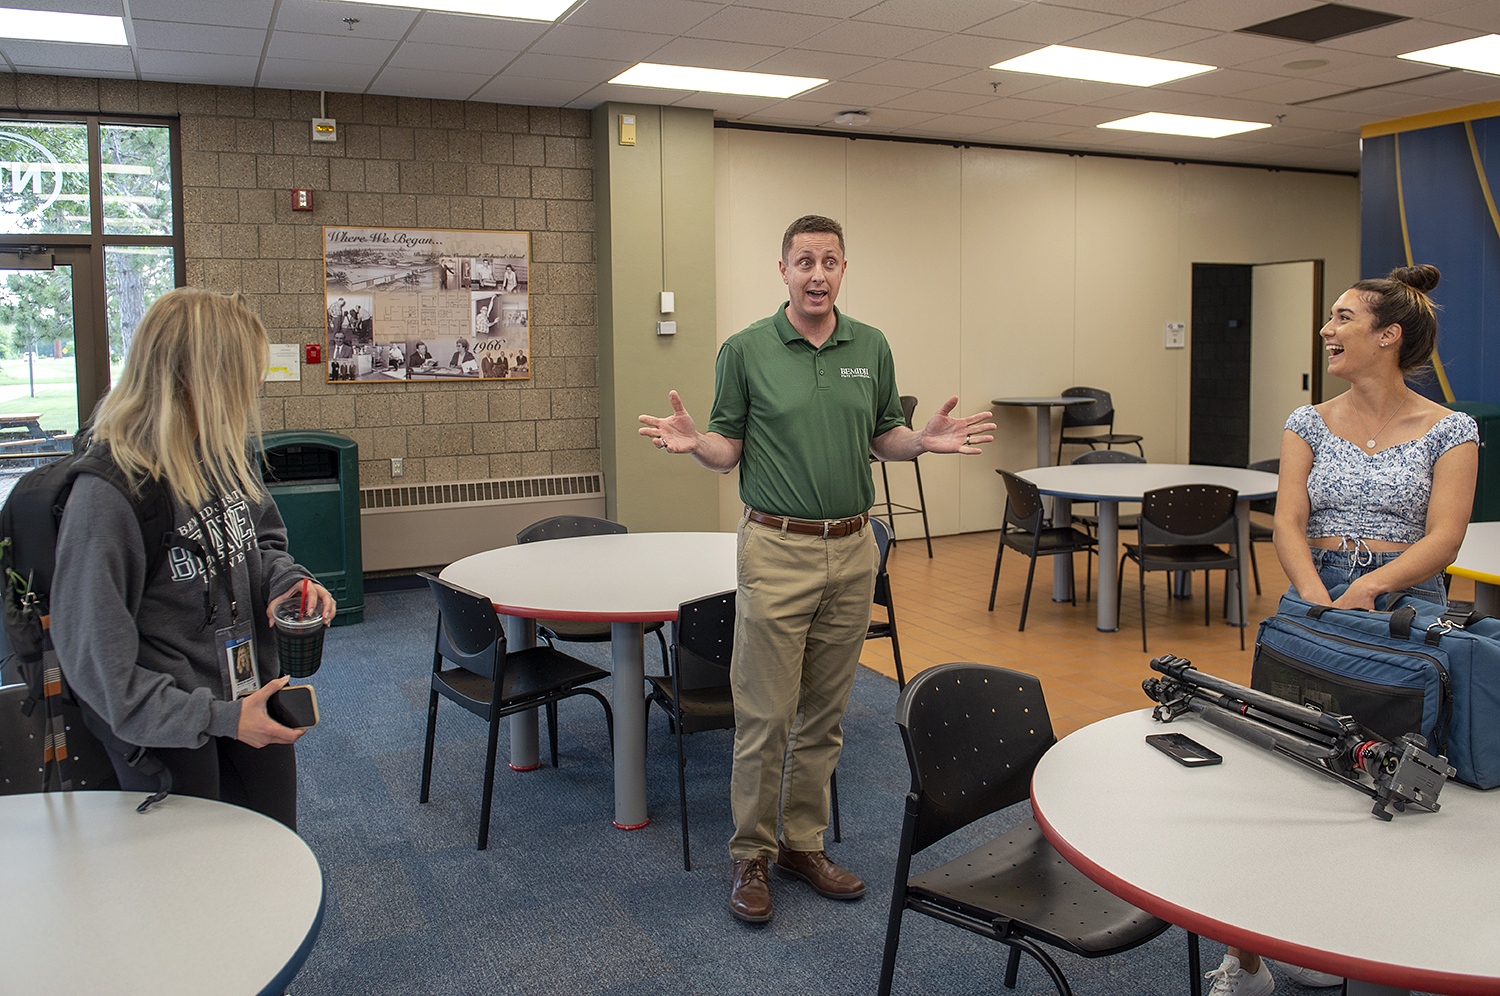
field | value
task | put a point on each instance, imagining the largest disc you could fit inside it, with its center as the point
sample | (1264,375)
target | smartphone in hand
(295,706)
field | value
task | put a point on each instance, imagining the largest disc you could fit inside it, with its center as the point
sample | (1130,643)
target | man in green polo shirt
(800,400)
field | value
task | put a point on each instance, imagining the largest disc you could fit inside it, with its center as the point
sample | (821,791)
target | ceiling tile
(935,101)
(325,17)
(942,15)
(1374,72)
(832,8)
(864,38)
(760,27)
(1085,117)
(1126,8)
(969,50)
(61,55)
(1076,91)
(857,95)
(1231,50)
(1289,91)
(666,16)
(299,74)
(626,94)
(156,65)
(822,65)
(727,105)
(475,32)
(1137,37)
(599,43)
(105,8)
(1015,132)
(428,83)
(200,38)
(711,53)
(453,58)
(529,91)
(1045,24)
(1483,17)
(1396,39)
(319,49)
(995,83)
(241,13)
(897,72)
(1140,99)
(536,65)
(1220,81)
(1277,62)
(1223,16)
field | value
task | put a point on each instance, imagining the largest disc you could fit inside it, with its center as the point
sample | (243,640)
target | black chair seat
(1027,529)
(1182,558)
(1020,870)
(696,710)
(1050,540)
(529,674)
(1131,521)
(1098,413)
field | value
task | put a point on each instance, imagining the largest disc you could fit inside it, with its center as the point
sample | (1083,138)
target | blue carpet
(564,903)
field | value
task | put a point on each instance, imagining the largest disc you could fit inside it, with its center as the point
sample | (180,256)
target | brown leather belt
(826,528)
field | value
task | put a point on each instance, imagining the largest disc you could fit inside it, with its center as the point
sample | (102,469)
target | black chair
(885,630)
(1090,520)
(580,630)
(696,695)
(491,683)
(1179,529)
(1100,412)
(893,509)
(1016,888)
(1261,533)
(1027,530)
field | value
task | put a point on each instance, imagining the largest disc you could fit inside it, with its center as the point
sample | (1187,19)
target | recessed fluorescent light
(715,80)
(525,10)
(52,25)
(1480,54)
(1102,67)
(1183,124)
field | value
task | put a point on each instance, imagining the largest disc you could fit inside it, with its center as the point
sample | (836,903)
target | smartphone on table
(1183,749)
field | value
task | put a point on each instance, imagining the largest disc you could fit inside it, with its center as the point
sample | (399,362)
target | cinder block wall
(398,162)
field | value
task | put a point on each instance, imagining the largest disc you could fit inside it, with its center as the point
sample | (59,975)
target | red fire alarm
(302,200)
(313,353)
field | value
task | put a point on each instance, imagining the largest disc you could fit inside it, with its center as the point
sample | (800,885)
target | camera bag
(1414,669)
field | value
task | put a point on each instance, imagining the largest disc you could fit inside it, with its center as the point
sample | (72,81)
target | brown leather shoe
(818,870)
(750,894)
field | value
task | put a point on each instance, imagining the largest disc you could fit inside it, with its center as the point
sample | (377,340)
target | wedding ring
(966,440)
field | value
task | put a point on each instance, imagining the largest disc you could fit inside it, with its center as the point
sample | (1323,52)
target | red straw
(303,614)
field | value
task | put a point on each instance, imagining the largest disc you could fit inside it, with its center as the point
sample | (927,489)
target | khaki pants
(801,614)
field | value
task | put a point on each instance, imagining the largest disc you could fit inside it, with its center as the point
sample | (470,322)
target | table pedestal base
(520,634)
(628,698)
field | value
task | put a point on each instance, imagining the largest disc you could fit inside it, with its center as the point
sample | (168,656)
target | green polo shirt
(806,415)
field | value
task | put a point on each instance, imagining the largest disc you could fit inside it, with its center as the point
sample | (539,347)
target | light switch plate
(668,302)
(666,328)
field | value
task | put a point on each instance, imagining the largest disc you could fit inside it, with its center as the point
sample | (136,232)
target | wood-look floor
(1087,675)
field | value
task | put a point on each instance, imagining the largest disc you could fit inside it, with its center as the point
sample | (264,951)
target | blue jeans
(1340,567)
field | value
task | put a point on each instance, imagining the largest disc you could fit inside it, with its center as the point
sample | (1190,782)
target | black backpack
(29,524)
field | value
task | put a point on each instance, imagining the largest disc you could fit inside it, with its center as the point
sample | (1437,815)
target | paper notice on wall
(285,362)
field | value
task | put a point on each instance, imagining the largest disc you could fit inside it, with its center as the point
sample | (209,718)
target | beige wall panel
(1281,319)
(1131,281)
(1017,286)
(904,252)
(766,182)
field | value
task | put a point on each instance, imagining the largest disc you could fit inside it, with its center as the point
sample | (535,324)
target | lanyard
(221,565)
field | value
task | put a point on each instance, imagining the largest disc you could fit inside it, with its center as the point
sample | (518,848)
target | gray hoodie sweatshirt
(143,655)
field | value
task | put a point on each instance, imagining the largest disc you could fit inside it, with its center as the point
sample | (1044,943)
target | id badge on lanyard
(236,642)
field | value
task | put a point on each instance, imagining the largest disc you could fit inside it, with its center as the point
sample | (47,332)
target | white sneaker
(1307,977)
(1231,980)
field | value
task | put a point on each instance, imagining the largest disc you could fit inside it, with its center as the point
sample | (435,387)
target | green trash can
(1487,487)
(314,479)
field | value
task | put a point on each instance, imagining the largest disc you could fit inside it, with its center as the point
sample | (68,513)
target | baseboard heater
(422,525)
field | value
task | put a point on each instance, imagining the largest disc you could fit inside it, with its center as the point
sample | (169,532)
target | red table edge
(1451,983)
(523,612)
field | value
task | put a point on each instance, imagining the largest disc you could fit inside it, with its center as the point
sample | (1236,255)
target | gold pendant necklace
(1370,443)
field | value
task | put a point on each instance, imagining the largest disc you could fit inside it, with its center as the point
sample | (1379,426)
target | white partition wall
(999,273)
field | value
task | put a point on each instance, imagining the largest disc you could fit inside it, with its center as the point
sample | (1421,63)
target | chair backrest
(1024,509)
(704,641)
(908,406)
(882,579)
(469,630)
(1189,513)
(1101,411)
(1108,456)
(1267,505)
(973,734)
(562,526)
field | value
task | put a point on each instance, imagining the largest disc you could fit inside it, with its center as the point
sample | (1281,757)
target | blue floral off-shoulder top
(1380,496)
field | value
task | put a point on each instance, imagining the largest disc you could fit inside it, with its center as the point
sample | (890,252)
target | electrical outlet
(396,470)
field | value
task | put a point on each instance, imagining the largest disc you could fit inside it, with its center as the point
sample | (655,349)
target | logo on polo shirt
(855,372)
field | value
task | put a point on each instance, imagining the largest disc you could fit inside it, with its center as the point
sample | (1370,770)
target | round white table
(1479,559)
(190,897)
(1270,856)
(1111,483)
(625,579)
(1043,406)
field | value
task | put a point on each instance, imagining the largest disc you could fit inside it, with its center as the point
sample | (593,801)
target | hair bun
(1423,277)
